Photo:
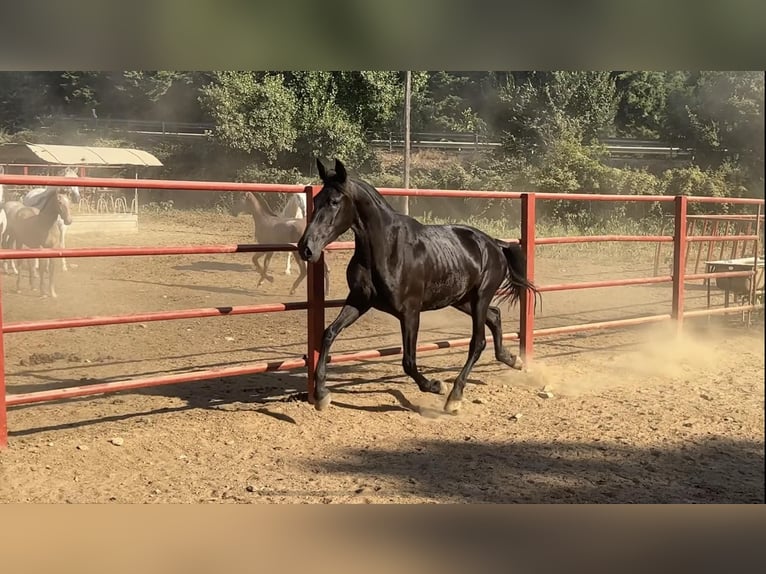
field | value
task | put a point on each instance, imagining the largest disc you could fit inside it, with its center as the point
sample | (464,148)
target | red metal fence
(316,303)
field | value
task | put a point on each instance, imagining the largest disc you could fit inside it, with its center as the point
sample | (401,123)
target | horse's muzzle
(304,251)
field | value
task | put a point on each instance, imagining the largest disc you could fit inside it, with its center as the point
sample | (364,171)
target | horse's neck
(261,217)
(372,224)
(49,212)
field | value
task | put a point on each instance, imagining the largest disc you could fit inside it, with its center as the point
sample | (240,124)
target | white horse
(294,209)
(35,198)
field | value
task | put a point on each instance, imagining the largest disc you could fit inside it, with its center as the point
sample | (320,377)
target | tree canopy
(280,117)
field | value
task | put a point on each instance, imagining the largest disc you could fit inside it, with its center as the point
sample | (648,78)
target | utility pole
(407,94)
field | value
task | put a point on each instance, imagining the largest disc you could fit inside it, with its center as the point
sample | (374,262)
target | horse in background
(35,228)
(35,197)
(295,208)
(271,228)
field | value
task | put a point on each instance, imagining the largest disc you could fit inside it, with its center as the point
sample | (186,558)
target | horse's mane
(40,195)
(371,192)
(263,204)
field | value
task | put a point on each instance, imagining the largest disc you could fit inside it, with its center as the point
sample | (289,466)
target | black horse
(403,267)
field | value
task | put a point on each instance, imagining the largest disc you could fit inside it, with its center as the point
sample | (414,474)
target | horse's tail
(516,281)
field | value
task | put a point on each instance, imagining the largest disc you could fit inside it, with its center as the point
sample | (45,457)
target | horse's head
(74,190)
(243,203)
(334,212)
(63,207)
(237,204)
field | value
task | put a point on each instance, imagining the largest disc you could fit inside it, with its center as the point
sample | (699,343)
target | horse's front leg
(62,235)
(410,323)
(301,273)
(265,271)
(258,267)
(51,285)
(9,242)
(288,266)
(41,276)
(350,312)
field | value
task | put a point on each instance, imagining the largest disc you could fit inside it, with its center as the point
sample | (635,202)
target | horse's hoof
(452,406)
(436,387)
(323,403)
(518,364)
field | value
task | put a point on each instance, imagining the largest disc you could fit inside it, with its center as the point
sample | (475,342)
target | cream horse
(294,209)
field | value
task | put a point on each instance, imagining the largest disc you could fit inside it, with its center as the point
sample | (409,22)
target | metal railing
(316,304)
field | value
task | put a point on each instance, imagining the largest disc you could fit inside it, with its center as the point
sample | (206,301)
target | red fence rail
(316,303)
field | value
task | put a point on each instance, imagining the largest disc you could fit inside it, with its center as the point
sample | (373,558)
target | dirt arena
(636,414)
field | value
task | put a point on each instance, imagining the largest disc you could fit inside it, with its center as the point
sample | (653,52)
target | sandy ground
(637,415)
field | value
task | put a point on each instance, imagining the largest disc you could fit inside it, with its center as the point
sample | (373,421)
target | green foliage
(270,125)
(642,102)
(253,112)
(721,116)
(327,128)
(542,108)
(568,167)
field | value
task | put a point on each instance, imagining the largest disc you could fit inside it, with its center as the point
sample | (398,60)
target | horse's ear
(322,171)
(340,171)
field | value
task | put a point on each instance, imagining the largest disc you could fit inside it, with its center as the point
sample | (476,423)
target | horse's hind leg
(477,345)
(410,323)
(496,328)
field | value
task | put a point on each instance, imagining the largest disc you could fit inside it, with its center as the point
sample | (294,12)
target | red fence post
(316,304)
(3,407)
(679,260)
(527,319)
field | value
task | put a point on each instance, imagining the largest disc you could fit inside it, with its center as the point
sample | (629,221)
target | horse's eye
(335,201)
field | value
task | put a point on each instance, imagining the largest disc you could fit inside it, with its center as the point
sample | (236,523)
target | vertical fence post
(679,260)
(3,407)
(316,301)
(527,319)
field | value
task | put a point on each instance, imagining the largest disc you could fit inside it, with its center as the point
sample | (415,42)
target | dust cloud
(659,357)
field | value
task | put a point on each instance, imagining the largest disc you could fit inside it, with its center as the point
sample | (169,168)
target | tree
(542,107)
(25,98)
(721,116)
(253,112)
(642,98)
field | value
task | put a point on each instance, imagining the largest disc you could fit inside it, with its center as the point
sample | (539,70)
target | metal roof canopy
(71,155)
